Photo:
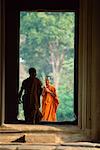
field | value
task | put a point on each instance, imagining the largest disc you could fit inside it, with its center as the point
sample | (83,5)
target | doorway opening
(48,43)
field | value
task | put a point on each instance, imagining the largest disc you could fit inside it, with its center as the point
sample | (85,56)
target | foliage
(47,43)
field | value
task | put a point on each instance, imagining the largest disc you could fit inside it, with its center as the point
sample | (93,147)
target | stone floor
(44,137)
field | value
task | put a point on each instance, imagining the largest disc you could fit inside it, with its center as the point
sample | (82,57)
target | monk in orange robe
(49,102)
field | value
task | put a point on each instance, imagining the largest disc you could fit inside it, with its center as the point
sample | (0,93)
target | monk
(32,88)
(49,102)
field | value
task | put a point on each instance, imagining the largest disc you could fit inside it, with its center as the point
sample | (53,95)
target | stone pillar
(84,63)
(95,98)
(2,60)
(89,68)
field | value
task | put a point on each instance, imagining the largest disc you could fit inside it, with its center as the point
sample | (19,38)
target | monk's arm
(43,91)
(20,93)
(51,92)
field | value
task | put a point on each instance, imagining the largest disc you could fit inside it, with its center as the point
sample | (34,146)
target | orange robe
(49,104)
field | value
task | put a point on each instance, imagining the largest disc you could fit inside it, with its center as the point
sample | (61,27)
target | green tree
(47,43)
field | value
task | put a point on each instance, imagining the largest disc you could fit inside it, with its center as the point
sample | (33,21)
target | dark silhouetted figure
(32,88)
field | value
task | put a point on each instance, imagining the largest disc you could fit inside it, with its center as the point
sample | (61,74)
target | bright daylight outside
(47,44)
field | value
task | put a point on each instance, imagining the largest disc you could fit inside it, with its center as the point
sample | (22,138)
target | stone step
(41,138)
(44,148)
(70,146)
(40,134)
(36,138)
(19,128)
(44,137)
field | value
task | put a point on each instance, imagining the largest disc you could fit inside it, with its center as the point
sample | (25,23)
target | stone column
(84,63)
(2,60)
(89,68)
(95,98)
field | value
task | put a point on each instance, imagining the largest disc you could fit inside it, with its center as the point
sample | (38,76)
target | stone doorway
(12,48)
